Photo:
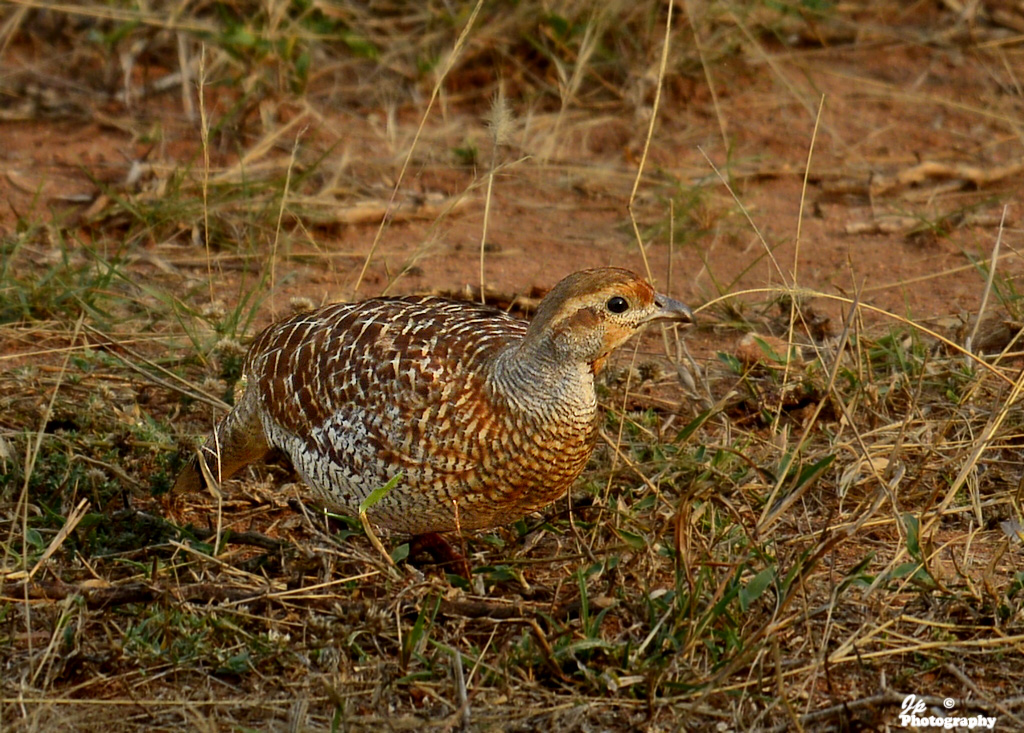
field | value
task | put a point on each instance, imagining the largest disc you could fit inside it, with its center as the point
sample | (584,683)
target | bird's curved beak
(670,309)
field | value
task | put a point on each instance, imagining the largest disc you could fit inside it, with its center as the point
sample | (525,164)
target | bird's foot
(441,551)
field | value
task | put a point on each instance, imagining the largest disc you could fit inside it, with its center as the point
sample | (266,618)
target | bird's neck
(538,378)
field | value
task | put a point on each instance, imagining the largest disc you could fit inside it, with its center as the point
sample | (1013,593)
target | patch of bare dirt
(886,108)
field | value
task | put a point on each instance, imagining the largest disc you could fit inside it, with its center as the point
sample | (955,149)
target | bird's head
(591,313)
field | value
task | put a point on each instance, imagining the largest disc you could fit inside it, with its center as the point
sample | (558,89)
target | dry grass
(792,533)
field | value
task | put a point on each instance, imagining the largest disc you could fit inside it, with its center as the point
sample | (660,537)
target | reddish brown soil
(887,104)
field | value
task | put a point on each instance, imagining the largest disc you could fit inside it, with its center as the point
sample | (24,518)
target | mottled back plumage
(486,417)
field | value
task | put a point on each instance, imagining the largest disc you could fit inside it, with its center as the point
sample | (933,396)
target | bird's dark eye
(618,305)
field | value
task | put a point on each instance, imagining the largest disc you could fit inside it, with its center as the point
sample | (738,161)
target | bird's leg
(441,551)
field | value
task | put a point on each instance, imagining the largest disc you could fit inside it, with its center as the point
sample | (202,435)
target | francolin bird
(487,418)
